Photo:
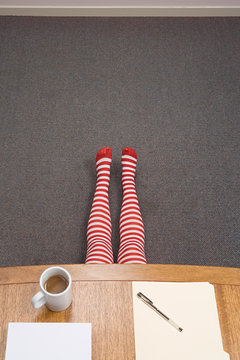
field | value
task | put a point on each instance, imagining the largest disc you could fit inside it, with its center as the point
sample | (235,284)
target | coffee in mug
(56,284)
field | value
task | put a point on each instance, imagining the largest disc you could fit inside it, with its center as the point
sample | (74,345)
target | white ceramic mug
(54,302)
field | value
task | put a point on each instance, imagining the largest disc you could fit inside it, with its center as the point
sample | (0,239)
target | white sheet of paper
(48,341)
(193,307)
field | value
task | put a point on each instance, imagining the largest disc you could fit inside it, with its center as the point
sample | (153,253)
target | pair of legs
(99,246)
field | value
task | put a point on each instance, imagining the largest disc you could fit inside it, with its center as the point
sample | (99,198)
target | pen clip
(144,297)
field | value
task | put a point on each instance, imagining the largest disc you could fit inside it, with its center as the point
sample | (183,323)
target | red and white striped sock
(99,246)
(131,249)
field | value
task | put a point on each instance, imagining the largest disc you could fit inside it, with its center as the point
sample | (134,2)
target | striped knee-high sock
(99,246)
(131,225)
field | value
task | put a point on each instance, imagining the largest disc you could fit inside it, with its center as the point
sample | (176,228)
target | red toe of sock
(129,151)
(104,153)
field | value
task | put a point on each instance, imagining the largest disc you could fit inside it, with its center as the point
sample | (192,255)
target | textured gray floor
(168,87)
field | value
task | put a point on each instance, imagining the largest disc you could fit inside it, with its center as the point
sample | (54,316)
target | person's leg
(99,246)
(131,249)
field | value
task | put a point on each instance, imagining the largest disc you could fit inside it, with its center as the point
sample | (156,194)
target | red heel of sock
(130,152)
(105,152)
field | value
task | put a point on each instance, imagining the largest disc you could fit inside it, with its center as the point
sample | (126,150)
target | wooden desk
(102,295)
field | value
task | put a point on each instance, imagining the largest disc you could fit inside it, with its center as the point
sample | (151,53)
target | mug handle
(38,300)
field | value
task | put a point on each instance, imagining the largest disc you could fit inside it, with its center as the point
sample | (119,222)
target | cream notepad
(48,341)
(193,307)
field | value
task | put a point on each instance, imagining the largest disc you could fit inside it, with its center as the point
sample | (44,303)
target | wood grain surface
(107,305)
(149,272)
(228,303)
(102,295)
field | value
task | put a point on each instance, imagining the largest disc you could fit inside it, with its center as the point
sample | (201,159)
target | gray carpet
(168,87)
